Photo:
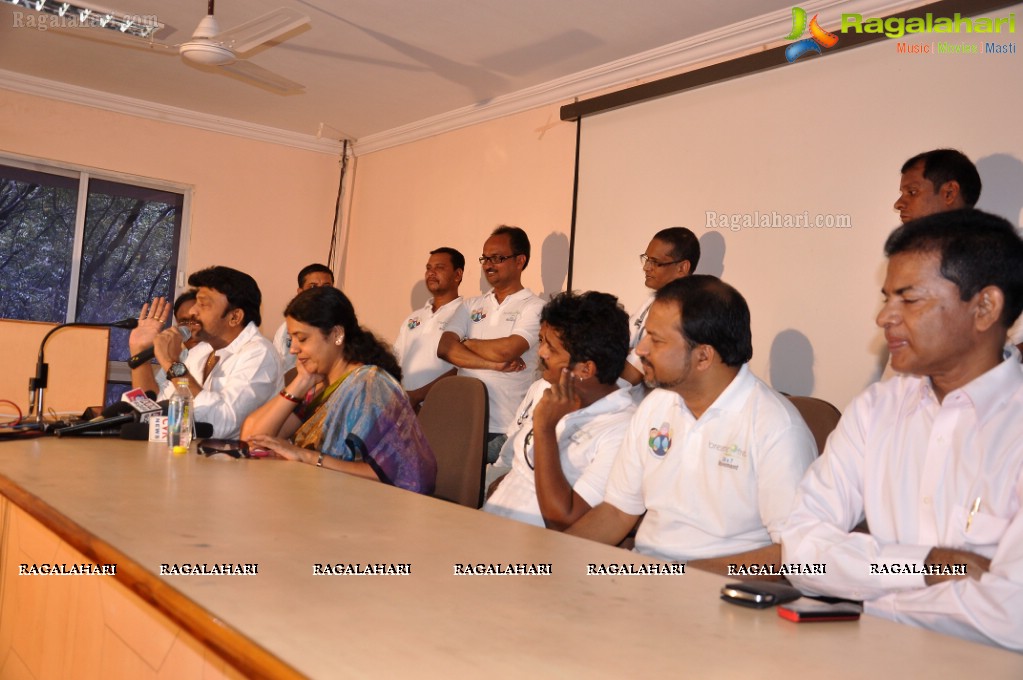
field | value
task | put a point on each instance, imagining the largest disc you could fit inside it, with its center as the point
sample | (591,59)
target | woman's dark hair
(325,308)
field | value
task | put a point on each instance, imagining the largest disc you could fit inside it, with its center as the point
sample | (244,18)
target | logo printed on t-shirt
(660,440)
(731,456)
(477,315)
(413,323)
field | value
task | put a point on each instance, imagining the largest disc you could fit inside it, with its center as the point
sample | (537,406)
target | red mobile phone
(805,610)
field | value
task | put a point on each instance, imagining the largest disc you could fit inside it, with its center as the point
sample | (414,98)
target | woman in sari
(345,408)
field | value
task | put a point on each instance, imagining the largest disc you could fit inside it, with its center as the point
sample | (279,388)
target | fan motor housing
(206,53)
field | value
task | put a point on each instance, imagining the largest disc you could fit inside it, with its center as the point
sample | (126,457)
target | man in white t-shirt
(672,254)
(931,458)
(420,332)
(560,458)
(493,337)
(311,276)
(713,455)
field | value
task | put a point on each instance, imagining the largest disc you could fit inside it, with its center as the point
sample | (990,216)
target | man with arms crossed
(932,459)
(233,370)
(713,455)
(673,253)
(419,335)
(561,459)
(493,337)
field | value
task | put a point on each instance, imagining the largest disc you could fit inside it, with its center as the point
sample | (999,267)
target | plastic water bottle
(179,418)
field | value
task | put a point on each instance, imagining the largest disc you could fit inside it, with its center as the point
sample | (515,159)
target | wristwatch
(177,370)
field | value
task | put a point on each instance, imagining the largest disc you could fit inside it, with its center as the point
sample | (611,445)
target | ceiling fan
(209,46)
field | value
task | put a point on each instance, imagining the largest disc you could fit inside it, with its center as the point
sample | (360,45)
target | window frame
(118,371)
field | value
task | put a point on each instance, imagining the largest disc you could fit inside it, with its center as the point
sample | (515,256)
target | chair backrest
(454,418)
(820,416)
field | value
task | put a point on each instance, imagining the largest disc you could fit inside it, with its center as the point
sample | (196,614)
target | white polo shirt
(636,331)
(588,443)
(716,486)
(282,343)
(416,346)
(482,318)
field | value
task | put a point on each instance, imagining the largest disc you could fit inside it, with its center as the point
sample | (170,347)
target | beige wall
(452,190)
(263,208)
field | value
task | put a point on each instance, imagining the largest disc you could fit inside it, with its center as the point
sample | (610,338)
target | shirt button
(927,500)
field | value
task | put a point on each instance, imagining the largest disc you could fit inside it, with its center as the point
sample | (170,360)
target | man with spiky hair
(562,453)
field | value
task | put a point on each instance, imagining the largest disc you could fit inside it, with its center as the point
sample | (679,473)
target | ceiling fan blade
(261,76)
(251,34)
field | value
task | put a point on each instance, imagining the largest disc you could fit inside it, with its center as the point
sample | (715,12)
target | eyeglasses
(495,259)
(527,449)
(229,447)
(644,260)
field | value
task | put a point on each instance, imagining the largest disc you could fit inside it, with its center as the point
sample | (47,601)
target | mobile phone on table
(759,594)
(806,610)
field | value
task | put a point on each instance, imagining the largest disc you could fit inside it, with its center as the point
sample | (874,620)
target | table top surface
(134,504)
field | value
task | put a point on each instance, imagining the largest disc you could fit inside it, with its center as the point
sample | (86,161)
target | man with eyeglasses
(494,336)
(182,318)
(311,276)
(673,253)
(573,419)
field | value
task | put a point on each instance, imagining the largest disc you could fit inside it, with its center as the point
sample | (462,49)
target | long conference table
(275,523)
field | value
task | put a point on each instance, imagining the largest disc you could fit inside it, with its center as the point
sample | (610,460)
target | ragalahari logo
(818,36)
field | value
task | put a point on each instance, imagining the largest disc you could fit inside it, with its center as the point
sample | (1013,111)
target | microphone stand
(37,385)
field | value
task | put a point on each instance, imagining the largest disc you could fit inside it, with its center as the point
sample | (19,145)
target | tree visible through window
(57,265)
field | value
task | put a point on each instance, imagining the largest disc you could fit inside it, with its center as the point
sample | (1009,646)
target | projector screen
(788,179)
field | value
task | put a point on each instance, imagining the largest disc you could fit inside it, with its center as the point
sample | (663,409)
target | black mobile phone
(759,594)
(808,611)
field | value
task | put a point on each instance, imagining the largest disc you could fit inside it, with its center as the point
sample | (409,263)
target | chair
(820,416)
(454,418)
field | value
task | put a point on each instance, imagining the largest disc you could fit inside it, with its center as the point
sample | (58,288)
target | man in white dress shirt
(713,455)
(233,370)
(561,457)
(493,337)
(420,333)
(672,254)
(932,459)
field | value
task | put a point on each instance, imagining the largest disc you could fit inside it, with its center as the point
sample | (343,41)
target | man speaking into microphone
(233,370)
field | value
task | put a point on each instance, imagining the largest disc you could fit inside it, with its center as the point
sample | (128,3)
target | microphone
(147,354)
(37,384)
(110,422)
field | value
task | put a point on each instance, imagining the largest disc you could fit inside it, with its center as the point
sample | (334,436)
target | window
(75,246)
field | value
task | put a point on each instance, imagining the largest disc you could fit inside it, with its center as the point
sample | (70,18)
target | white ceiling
(368,66)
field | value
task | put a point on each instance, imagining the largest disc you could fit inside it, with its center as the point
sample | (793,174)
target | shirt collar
(733,397)
(247,333)
(990,390)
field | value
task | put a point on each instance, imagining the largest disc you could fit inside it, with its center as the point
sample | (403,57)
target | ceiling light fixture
(75,14)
